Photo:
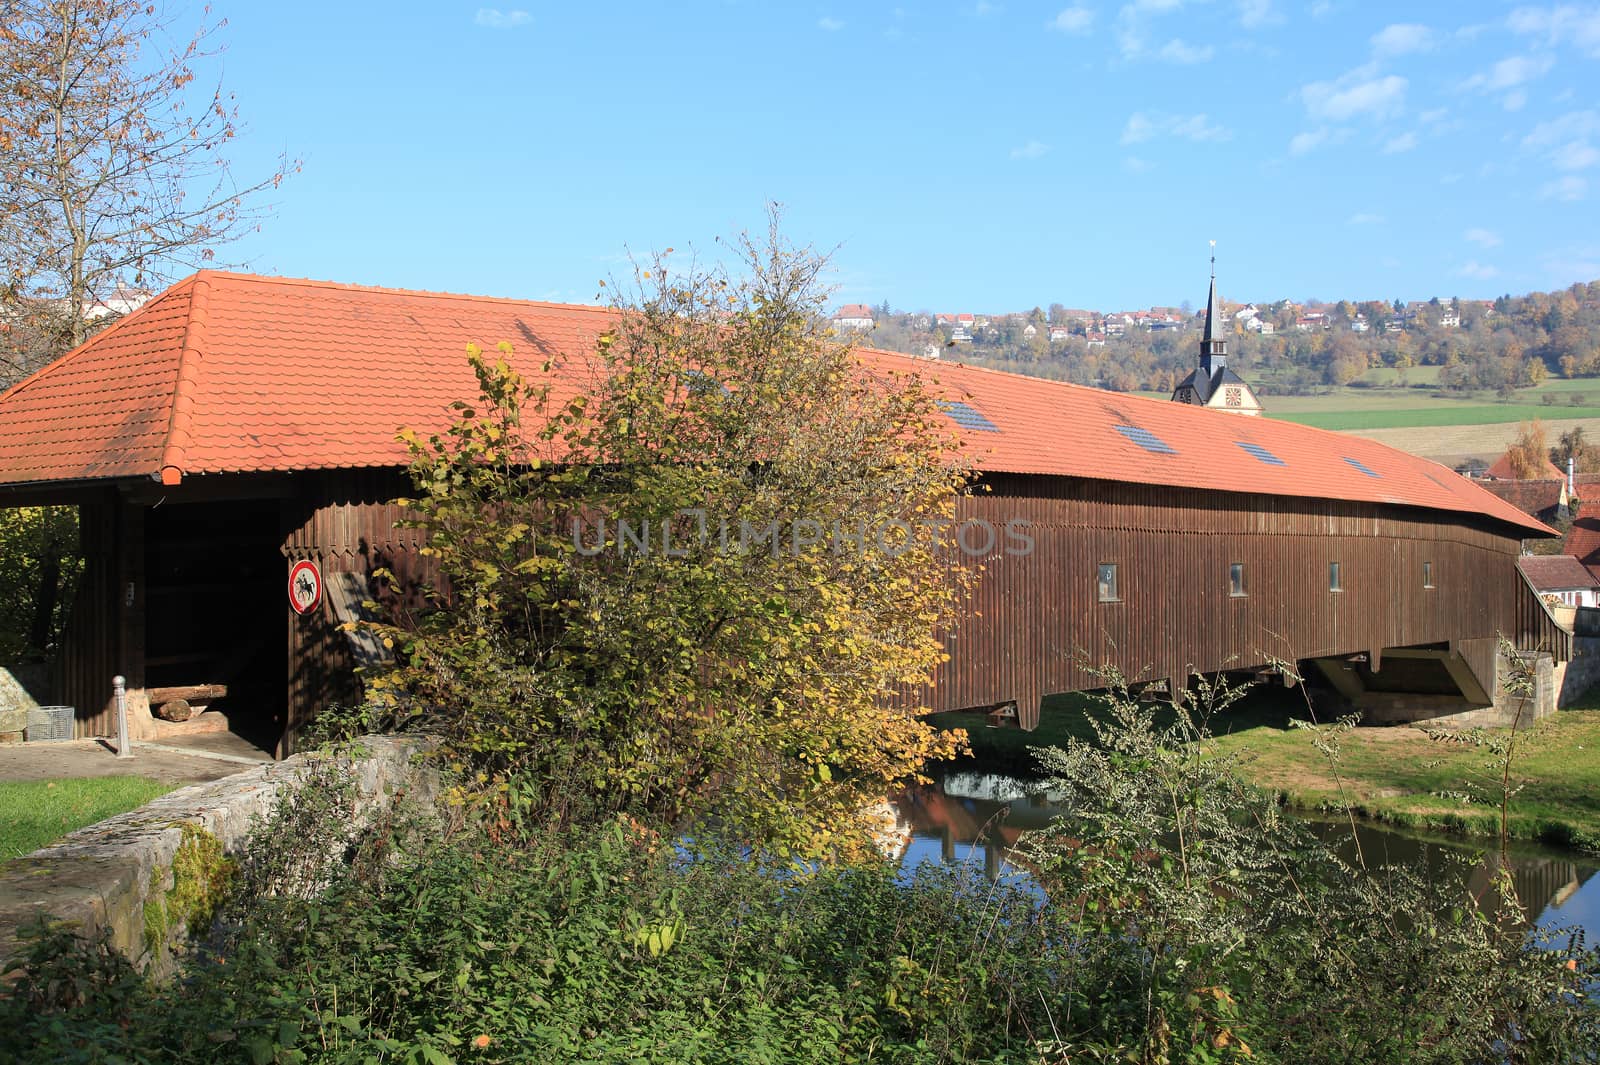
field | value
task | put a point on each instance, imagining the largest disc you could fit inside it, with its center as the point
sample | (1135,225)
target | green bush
(39,552)
(614,948)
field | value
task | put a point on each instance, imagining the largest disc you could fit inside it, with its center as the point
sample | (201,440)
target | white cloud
(1574,125)
(1198,128)
(1031,150)
(1484,238)
(1477,271)
(829,24)
(495,19)
(1256,13)
(1178,51)
(1578,155)
(1563,24)
(1566,141)
(1134,165)
(1510,72)
(1360,92)
(1072,20)
(1569,189)
(1302,143)
(1515,100)
(1579,262)
(1133,22)
(1364,219)
(1402,38)
(1403,143)
(983,8)
(1433,115)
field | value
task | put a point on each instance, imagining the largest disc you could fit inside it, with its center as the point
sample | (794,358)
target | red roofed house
(236,425)
(853,316)
(1583,539)
(1543,499)
(1561,580)
(1502,470)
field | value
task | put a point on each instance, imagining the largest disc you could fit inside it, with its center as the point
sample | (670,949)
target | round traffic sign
(305,586)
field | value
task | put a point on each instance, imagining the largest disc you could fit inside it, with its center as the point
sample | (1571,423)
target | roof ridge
(348,286)
(111,330)
(189,353)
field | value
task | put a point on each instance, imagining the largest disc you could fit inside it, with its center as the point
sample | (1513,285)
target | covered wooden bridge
(236,425)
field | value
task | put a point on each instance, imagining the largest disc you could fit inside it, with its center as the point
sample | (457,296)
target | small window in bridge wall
(1106,583)
(1335,578)
(1427,574)
(1236,586)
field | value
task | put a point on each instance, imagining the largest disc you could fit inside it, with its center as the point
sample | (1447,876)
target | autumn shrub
(692,573)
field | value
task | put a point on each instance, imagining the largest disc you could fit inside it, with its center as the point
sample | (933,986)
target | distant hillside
(1284,348)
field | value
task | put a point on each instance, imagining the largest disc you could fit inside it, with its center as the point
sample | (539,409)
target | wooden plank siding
(92,644)
(1537,629)
(347,522)
(1036,626)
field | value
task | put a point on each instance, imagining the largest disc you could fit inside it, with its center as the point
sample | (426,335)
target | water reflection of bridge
(968,816)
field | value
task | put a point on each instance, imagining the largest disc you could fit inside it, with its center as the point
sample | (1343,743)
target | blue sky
(957,157)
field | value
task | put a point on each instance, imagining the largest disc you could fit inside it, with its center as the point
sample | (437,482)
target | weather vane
(1213,258)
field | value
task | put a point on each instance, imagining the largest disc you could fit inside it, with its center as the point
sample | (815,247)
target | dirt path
(87,758)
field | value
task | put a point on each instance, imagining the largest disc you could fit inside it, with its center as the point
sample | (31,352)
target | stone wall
(1434,710)
(1574,679)
(146,873)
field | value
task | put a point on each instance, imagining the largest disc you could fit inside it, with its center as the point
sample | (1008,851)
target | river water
(977,817)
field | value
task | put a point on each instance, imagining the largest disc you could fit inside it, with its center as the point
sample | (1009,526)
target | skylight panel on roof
(1359,466)
(1146,439)
(1258,452)
(967,416)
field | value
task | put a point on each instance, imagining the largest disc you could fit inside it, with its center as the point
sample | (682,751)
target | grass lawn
(1395,775)
(38,812)
(1401,776)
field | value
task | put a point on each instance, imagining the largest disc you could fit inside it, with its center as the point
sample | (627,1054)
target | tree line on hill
(1512,342)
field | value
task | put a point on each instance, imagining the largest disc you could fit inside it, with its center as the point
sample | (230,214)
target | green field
(1385,417)
(36,813)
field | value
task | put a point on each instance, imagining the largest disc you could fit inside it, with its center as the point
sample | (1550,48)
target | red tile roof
(1556,573)
(1530,497)
(1502,471)
(1583,539)
(228,373)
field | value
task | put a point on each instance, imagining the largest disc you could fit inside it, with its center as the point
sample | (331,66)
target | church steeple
(1212,384)
(1213,347)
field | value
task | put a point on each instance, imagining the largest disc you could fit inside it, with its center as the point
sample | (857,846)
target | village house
(1561,580)
(857,316)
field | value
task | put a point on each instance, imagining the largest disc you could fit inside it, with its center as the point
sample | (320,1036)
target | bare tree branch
(112,169)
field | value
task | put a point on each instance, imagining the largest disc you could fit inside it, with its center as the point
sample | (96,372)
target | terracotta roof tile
(1530,497)
(231,372)
(1501,470)
(1556,573)
(1583,539)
